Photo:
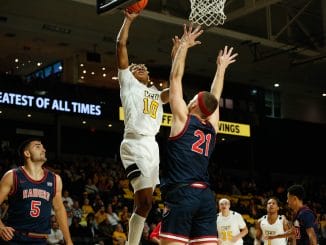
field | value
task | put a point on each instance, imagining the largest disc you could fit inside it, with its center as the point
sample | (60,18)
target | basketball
(137,7)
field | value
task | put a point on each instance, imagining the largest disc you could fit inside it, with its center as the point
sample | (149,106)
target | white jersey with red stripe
(143,107)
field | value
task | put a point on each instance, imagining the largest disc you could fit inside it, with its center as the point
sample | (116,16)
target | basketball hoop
(207,12)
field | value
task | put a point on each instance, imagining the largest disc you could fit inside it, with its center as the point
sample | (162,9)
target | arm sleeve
(125,77)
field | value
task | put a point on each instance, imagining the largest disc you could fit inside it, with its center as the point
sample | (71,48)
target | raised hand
(130,16)
(226,57)
(190,35)
(176,43)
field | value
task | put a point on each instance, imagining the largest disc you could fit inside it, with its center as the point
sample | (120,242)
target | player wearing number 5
(190,203)
(32,191)
(139,151)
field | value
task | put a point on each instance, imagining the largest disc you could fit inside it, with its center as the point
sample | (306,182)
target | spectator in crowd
(69,212)
(87,209)
(124,216)
(76,230)
(112,216)
(66,197)
(90,232)
(118,236)
(76,210)
(105,231)
(100,215)
(97,203)
(91,188)
(56,236)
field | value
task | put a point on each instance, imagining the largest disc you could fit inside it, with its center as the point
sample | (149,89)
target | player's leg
(143,173)
(180,205)
(143,200)
(204,230)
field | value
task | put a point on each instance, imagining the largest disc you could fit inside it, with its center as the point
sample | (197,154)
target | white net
(207,12)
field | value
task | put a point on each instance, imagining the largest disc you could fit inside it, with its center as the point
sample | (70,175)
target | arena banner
(238,129)
(51,104)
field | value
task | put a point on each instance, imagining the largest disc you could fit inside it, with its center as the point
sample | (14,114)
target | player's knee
(145,204)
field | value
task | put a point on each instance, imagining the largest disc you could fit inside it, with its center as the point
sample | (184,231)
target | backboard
(111,6)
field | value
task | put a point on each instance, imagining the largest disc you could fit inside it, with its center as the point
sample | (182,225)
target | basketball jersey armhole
(14,182)
(182,132)
(126,77)
(54,184)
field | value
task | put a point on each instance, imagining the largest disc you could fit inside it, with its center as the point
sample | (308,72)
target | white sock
(136,226)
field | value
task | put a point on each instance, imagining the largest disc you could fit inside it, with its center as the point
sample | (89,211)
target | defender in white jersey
(272,228)
(231,226)
(139,151)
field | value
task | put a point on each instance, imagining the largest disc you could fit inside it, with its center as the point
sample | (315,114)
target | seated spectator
(105,231)
(75,229)
(112,216)
(76,210)
(116,204)
(124,216)
(66,197)
(100,215)
(69,212)
(118,236)
(97,203)
(87,209)
(56,236)
(91,188)
(90,232)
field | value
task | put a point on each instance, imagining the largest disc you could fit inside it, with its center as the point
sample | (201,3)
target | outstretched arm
(122,38)
(178,106)
(176,44)
(224,59)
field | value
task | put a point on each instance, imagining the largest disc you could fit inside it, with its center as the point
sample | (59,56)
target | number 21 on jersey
(201,146)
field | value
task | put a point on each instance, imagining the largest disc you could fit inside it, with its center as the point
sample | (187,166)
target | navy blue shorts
(190,215)
(19,239)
